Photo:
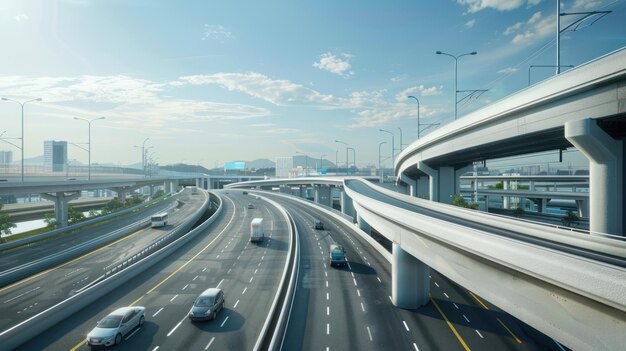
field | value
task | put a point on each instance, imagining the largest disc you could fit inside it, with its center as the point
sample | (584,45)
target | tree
(158,193)
(74,216)
(93,213)
(49,219)
(459,201)
(135,200)
(5,223)
(112,206)
(570,219)
(518,211)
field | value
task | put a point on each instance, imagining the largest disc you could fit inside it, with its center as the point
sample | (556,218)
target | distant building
(55,155)
(6,158)
(283,166)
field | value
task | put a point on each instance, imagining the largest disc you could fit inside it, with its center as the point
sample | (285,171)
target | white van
(256,229)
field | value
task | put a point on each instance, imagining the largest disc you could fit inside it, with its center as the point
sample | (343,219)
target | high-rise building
(55,155)
(283,166)
(6,158)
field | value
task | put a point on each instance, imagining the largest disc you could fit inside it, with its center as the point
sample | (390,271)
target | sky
(215,81)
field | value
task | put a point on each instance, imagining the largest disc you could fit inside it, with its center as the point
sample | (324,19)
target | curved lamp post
(89,141)
(456,73)
(22,105)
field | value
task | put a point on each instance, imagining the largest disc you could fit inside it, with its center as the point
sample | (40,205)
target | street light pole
(393,144)
(456,74)
(306,162)
(321,163)
(353,156)
(22,105)
(418,114)
(379,167)
(400,139)
(346,144)
(88,141)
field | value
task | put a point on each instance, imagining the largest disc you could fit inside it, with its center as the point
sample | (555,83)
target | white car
(111,329)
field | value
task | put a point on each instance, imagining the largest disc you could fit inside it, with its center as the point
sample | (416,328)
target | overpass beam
(322,195)
(412,184)
(61,205)
(409,280)
(363,225)
(433,180)
(606,175)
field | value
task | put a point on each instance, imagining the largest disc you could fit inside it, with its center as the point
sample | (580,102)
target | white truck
(256,230)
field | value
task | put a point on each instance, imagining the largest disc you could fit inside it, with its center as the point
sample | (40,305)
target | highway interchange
(333,308)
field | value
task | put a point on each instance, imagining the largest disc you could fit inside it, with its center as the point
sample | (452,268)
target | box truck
(256,229)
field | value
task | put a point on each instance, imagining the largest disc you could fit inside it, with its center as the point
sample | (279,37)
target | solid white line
(327,328)
(370,333)
(236,303)
(446,295)
(380,281)
(415,345)
(224,322)
(244,290)
(362,307)
(457,307)
(22,294)
(406,326)
(185,287)
(177,325)
(466,319)
(327,310)
(479,334)
(133,333)
(436,284)
(220,283)
(157,312)
(209,344)
(172,299)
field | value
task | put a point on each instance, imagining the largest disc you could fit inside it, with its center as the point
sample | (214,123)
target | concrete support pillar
(409,280)
(61,205)
(322,195)
(411,185)
(347,206)
(506,201)
(167,187)
(175,185)
(363,225)
(607,212)
(285,189)
(209,183)
(198,182)
(542,205)
(151,187)
(582,208)
(303,191)
(433,180)
(422,187)
(447,184)
(121,193)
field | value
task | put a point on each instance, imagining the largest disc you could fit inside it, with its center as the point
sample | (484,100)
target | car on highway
(111,329)
(337,255)
(207,305)
(245,193)
(250,206)
(318,225)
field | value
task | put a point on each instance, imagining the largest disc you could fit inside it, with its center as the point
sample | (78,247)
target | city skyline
(209,83)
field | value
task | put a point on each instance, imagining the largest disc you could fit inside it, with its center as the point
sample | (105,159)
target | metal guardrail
(28,329)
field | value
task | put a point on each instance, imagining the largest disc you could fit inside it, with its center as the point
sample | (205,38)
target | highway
(27,297)
(350,308)
(222,256)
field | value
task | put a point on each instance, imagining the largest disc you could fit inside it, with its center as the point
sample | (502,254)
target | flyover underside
(562,314)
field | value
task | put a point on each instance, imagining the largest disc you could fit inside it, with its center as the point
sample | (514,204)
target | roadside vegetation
(459,201)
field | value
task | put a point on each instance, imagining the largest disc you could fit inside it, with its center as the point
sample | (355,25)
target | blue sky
(215,81)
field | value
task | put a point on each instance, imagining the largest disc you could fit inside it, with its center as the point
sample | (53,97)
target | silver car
(207,305)
(111,329)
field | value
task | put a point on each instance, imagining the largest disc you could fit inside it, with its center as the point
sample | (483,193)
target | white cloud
(536,31)
(421,89)
(508,70)
(535,17)
(586,4)
(399,78)
(21,17)
(470,23)
(510,30)
(500,5)
(282,131)
(339,65)
(216,32)
(533,2)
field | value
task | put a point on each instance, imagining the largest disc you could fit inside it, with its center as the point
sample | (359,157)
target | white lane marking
(256,270)
(224,322)
(259,265)
(352,274)
(209,344)
(436,284)
(220,283)
(222,251)
(370,333)
(415,346)
(172,299)
(479,334)
(244,290)
(349,267)
(22,294)
(327,328)
(358,292)
(406,326)
(203,269)
(354,280)
(327,310)
(157,312)
(229,271)
(325,273)
(362,307)
(429,277)
(185,287)
(446,295)
(380,281)
(262,257)
(251,279)
(155,349)
(218,256)
(390,299)
(327,296)
(133,333)
(466,319)
(177,325)
(236,303)
(457,307)
(327,283)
